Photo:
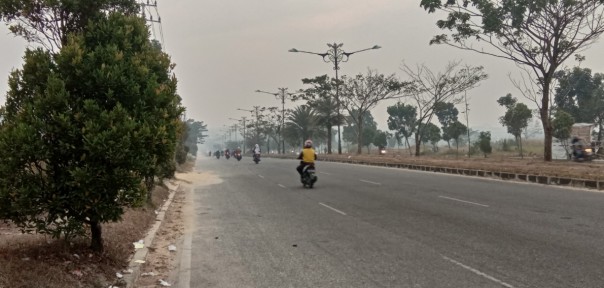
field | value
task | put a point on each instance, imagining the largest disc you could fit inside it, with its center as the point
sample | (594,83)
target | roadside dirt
(161,263)
(533,166)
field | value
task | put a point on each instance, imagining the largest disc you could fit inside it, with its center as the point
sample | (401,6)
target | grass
(39,261)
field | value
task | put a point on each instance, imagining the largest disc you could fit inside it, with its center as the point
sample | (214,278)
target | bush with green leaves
(84,128)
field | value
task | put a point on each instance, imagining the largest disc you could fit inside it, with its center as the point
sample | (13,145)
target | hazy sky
(227,49)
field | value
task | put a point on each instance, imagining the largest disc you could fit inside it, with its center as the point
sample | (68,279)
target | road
(378,227)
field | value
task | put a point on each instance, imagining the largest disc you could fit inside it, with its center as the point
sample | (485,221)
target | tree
(537,35)
(516,118)
(82,129)
(402,119)
(363,92)
(302,124)
(563,123)
(195,135)
(351,131)
(455,131)
(447,115)
(484,143)
(431,135)
(380,139)
(50,22)
(430,89)
(581,94)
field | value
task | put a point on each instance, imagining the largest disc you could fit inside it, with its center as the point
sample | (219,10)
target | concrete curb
(516,177)
(141,254)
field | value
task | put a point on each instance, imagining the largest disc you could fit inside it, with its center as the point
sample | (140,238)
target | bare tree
(538,35)
(363,92)
(431,89)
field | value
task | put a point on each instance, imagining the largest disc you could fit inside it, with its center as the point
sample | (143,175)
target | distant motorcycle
(227,155)
(237,156)
(256,158)
(308,176)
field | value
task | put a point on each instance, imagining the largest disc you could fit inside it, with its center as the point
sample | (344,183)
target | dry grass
(38,261)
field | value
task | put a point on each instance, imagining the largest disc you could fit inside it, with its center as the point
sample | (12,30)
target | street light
(257,120)
(336,55)
(281,94)
(243,120)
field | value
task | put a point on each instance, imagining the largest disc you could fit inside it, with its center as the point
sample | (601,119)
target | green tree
(484,143)
(431,135)
(516,118)
(447,115)
(581,94)
(49,22)
(430,89)
(195,135)
(351,131)
(456,130)
(363,92)
(381,138)
(83,128)
(321,97)
(537,35)
(401,119)
(302,124)
(563,123)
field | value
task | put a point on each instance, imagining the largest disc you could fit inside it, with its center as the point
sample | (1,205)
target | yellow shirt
(308,155)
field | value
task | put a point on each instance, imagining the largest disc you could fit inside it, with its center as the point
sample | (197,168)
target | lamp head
(376,47)
(293,50)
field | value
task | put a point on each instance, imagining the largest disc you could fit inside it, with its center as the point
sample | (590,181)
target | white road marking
(473,203)
(281,185)
(334,209)
(261,176)
(324,173)
(477,272)
(370,182)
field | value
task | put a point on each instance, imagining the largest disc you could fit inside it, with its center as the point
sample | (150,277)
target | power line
(150,12)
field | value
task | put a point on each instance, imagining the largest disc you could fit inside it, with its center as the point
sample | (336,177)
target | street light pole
(336,55)
(281,94)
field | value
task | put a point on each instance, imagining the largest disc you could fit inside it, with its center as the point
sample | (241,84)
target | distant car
(382,150)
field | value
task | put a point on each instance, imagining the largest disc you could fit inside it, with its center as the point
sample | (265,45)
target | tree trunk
(96,243)
(408,146)
(418,143)
(545,120)
(457,148)
(328,139)
(360,134)
(520,143)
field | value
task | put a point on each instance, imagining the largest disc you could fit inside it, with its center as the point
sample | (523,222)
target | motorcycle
(581,151)
(237,156)
(227,155)
(256,158)
(308,176)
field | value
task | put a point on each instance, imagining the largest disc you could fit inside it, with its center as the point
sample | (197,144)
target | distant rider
(307,156)
(257,150)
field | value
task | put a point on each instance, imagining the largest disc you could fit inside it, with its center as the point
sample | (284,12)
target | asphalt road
(377,227)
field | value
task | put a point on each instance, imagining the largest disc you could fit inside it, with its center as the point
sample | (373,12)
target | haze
(227,49)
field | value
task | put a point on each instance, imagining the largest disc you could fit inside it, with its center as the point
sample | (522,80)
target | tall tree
(431,134)
(447,115)
(351,131)
(83,128)
(563,123)
(363,92)
(321,97)
(302,124)
(516,117)
(456,130)
(537,35)
(430,89)
(402,119)
(49,22)
(582,95)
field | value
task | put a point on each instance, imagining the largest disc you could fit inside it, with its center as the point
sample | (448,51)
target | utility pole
(282,94)
(465,97)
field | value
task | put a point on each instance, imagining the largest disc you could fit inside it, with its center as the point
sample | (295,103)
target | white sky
(227,49)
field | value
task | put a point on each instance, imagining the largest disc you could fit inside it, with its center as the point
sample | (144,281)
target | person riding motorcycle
(257,150)
(307,157)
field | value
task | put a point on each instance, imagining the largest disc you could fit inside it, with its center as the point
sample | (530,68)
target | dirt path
(161,263)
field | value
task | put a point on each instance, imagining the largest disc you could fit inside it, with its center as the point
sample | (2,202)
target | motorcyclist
(238,151)
(257,150)
(307,156)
